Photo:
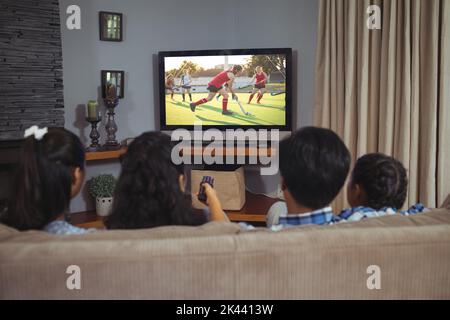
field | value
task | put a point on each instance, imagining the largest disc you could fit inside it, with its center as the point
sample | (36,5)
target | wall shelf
(238,151)
(104,155)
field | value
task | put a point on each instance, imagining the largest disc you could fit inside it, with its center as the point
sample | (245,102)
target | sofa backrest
(220,261)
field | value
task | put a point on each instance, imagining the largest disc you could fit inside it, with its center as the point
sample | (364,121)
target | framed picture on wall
(110,26)
(113,84)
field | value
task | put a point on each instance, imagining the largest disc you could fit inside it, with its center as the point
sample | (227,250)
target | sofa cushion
(332,263)
(8,234)
(433,217)
(6,231)
(316,264)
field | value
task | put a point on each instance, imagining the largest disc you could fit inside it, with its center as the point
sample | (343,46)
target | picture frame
(111,26)
(114,78)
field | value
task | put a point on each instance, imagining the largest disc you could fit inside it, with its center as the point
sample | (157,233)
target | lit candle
(92,109)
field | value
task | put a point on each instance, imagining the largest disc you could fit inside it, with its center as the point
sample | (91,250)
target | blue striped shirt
(321,216)
(278,218)
(359,213)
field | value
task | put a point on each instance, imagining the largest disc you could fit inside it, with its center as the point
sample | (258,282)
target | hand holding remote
(208,195)
(201,193)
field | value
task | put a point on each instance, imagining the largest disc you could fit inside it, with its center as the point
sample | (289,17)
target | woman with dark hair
(50,172)
(150,189)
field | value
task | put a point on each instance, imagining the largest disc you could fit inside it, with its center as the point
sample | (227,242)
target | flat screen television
(226,89)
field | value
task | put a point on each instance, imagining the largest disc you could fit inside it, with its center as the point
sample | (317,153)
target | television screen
(225,88)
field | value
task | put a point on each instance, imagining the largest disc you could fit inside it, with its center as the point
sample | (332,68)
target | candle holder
(94,135)
(111,127)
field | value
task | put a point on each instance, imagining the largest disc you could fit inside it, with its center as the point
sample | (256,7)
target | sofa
(221,261)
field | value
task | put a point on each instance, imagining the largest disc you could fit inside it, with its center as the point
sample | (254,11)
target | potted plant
(101,189)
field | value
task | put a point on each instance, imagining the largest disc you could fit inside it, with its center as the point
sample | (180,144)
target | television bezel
(259,51)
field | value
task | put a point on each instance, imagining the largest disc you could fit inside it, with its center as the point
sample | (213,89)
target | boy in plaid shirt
(377,187)
(314,164)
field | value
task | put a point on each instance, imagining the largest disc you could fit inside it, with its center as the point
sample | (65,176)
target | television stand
(253,212)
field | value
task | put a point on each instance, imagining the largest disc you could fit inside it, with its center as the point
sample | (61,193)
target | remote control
(201,192)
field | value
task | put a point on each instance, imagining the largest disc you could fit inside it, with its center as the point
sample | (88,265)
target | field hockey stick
(277,93)
(245,86)
(252,84)
(242,108)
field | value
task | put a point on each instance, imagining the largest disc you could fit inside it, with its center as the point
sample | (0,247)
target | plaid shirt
(322,216)
(359,213)
(325,216)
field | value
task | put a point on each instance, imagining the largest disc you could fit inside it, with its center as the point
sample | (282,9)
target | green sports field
(271,111)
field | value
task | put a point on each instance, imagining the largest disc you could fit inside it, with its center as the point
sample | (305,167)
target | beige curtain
(388,90)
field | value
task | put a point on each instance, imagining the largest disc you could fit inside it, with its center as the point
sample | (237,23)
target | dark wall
(31,83)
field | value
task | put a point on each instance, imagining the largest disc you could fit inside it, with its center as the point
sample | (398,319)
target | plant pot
(103,206)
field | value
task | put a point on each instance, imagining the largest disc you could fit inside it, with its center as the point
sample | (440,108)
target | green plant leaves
(102,186)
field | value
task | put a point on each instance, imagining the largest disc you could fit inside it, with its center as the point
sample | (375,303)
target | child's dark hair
(42,186)
(383,179)
(314,163)
(148,192)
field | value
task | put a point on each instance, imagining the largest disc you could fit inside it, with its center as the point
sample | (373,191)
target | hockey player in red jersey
(216,85)
(260,85)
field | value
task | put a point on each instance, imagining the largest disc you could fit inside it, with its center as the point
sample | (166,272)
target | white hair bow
(34,130)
